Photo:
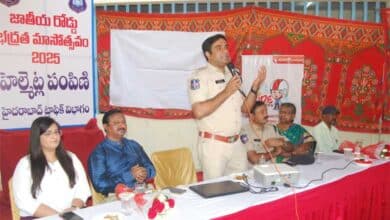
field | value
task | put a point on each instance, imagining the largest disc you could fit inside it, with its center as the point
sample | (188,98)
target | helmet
(280,85)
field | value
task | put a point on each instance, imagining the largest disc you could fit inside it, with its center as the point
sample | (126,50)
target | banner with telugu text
(46,62)
(282,84)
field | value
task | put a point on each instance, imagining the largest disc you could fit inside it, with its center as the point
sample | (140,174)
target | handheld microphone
(234,71)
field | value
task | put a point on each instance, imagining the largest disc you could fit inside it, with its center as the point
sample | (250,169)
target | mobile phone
(291,163)
(176,190)
(70,216)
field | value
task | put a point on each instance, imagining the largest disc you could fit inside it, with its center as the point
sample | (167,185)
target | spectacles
(49,133)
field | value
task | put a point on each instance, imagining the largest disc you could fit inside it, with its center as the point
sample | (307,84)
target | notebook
(210,190)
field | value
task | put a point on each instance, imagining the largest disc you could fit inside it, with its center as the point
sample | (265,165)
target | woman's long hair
(38,162)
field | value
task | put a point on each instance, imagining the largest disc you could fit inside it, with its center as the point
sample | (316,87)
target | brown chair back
(14,208)
(174,167)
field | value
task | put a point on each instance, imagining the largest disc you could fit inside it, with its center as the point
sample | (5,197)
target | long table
(353,193)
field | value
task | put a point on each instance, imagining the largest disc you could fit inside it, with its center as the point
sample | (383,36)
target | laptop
(210,190)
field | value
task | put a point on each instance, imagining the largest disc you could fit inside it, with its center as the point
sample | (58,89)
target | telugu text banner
(46,62)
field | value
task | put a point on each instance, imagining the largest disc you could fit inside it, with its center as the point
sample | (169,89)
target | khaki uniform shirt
(205,84)
(253,142)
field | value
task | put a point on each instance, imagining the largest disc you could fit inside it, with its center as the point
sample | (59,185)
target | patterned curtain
(386,86)
(344,61)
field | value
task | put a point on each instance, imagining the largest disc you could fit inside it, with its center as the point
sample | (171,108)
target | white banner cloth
(149,69)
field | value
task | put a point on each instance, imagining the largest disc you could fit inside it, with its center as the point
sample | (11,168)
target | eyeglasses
(49,133)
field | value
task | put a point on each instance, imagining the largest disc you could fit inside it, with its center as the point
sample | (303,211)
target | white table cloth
(192,206)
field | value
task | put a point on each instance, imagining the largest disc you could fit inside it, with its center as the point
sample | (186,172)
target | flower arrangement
(385,152)
(161,204)
(120,188)
(377,151)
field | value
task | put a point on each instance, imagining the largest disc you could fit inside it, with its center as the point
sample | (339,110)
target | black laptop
(209,190)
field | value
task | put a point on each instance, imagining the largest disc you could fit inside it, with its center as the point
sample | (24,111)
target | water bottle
(262,159)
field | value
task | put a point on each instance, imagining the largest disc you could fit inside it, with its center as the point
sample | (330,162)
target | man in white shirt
(217,105)
(325,132)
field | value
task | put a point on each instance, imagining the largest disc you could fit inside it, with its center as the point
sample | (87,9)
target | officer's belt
(226,139)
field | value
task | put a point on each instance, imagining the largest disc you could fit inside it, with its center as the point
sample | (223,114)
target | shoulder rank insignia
(195,84)
(244,138)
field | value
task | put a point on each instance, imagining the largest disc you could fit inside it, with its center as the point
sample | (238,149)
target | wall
(156,135)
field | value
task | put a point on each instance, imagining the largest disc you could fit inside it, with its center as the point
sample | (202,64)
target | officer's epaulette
(200,69)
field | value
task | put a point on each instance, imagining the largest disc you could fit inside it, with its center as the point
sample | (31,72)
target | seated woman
(49,180)
(300,141)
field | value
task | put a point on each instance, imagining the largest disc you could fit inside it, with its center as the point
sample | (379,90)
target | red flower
(159,204)
(155,203)
(171,203)
(159,207)
(139,199)
(152,213)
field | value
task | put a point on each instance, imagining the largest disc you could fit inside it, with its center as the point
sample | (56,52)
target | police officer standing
(217,105)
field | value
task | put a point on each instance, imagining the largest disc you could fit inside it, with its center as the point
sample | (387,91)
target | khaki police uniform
(250,139)
(218,157)
(253,138)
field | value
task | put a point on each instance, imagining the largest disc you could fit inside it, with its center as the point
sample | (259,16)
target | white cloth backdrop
(287,69)
(149,69)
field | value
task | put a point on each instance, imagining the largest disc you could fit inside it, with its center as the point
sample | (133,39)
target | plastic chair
(173,167)
(14,208)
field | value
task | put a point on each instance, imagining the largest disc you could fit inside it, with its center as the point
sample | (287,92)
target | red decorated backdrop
(386,85)
(344,61)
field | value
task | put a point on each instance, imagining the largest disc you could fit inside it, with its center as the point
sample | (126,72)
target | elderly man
(261,139)
(300,142)
(325,132)
(217,104)
(118,159)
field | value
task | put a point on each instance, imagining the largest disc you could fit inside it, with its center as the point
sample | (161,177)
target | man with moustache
(259,135)
(217,105)
(117,159)
(325,132)
(300,141)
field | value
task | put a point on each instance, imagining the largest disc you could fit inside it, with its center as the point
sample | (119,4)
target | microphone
(234,71)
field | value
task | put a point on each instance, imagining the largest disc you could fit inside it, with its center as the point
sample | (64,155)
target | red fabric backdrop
(343,60)
(386,105)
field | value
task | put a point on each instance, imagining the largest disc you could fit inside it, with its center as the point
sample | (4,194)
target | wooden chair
(174,167)
(14,208)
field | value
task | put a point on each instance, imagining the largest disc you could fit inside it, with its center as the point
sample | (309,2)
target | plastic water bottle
(357,152)
(262,159)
